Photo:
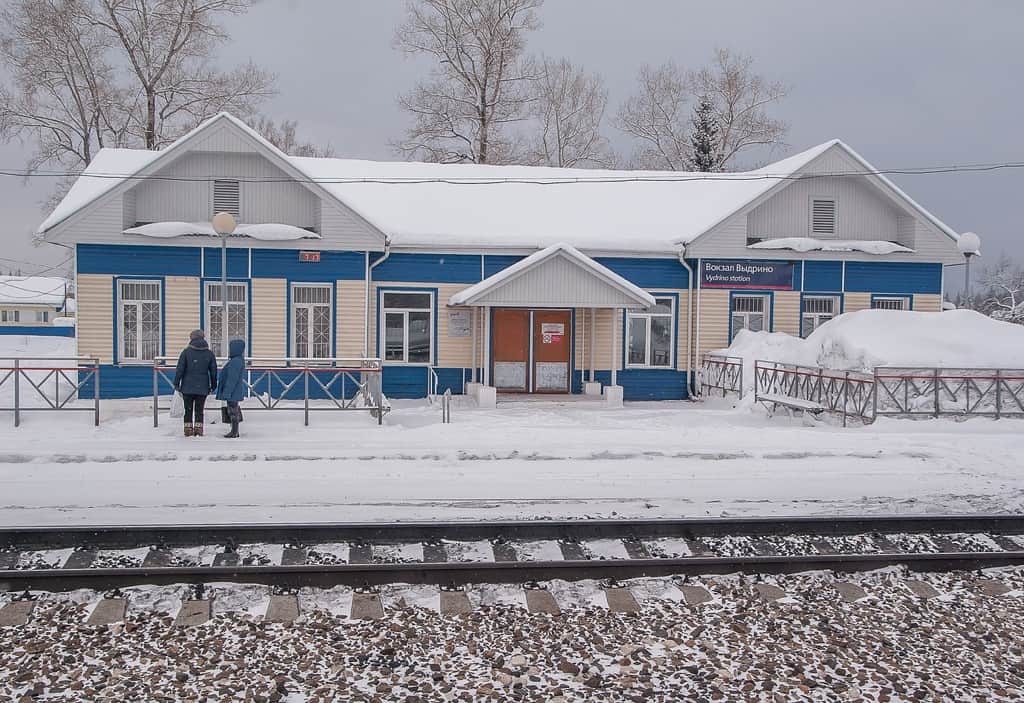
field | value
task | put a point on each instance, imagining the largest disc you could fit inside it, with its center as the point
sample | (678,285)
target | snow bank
(804,244)
(266,232)
(860,341)
(35,349)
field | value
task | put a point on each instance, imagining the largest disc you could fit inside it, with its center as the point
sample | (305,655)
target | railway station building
(488,279)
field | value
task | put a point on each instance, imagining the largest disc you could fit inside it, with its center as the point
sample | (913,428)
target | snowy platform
(569,460)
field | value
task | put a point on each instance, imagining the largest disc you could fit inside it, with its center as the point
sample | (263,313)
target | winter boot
(234,430)
(197,429)
(188,429)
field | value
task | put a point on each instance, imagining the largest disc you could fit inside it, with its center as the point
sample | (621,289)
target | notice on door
(552,332)
(460,323)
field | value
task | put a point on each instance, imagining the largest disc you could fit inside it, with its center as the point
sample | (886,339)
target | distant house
(34,301)
(523,279)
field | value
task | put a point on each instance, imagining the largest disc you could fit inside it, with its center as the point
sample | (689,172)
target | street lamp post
(224,225)
(969,245)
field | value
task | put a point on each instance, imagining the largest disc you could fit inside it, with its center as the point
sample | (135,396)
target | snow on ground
(517,461)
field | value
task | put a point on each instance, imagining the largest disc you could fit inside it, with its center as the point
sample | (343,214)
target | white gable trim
(634,296)
(878,180)
(180,147)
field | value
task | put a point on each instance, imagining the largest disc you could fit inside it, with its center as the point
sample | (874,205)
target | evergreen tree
(705,154)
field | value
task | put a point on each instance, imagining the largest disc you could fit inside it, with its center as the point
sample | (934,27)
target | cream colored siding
(350,308)
(714,320)
(95,325)
(927,303)
(852,302)
(269,317)
(181,310)
(787,312)
(603,340)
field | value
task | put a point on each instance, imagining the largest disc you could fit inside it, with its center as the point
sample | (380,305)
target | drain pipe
(366,298)
(690,378)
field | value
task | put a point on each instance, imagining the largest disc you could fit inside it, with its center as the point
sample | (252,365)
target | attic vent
(225,197)
(823,216)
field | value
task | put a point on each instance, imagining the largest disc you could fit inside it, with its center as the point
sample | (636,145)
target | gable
(174,185)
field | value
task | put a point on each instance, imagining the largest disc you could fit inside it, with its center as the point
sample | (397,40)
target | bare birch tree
(1003,286)
(168,45)
(657,115)
(480,82)
(741,98)
(284,136)
(569,110)
(658,118)
(62,93)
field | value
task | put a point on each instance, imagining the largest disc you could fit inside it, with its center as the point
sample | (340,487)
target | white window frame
(10,315)
(294,318)
(816,316)
(901,299)
(211,336)
(404,311)
(136,357)
(649,349)
(766,312)
(835,217)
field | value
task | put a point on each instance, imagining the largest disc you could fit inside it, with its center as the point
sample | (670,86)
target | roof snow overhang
(558,276)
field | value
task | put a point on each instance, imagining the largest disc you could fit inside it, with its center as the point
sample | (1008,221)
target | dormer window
(225,197)
(823,217)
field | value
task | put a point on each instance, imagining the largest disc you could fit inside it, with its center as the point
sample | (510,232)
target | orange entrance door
(551,348)
(511,350)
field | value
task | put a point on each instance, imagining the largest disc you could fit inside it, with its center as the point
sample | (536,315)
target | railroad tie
(282,608)
(226,559)
(16,613)
(293,556)
(504,551)
(455,602)
(108,611)
(435,553)
(769,592)
(81,559)
(849,592)
(366,606)
(360,553)
(157,558)
(8,560)
(192,613)
(921,589)
(540,600)
(621,600)
(694,595)
(991,587)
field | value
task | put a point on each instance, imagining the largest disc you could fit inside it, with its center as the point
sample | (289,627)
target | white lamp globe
(969,244)
(223,223)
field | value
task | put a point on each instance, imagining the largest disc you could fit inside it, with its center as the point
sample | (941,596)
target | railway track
(459,553)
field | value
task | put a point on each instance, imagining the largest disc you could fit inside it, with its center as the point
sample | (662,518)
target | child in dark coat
(231,384)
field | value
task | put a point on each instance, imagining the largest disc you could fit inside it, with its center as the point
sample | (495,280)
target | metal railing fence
(936,392)
(724,373)
(38,372)
(845,393)
(277,383)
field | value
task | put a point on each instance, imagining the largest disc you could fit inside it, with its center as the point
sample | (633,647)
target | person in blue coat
(195,378)
(231,386)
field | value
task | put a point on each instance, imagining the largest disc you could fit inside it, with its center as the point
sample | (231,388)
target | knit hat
(196,334)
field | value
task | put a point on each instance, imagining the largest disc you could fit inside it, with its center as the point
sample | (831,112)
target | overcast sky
(910,83)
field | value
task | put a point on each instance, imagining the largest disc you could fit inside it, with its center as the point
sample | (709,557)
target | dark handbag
(224,415)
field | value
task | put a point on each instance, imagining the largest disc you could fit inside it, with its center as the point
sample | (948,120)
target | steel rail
(130,536)
(463,573)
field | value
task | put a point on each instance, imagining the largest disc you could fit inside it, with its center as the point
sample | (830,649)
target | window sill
(639,367)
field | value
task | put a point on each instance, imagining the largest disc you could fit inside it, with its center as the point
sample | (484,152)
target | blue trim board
(284,263)
(823,275)
(28,331)
(135,260)
(429,268)
(493,263)
(648,272)
(648,384)
(894,277)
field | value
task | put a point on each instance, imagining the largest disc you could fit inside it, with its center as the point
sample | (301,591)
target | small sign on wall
(551,332)
(309,257)
(460,323)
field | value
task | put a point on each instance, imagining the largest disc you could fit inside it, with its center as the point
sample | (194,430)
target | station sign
(309,257)
(730,273)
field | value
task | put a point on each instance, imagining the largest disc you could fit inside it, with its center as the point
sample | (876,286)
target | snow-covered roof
(267,231)
(514,207)
(32,290)
(469,295)
(803,244)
